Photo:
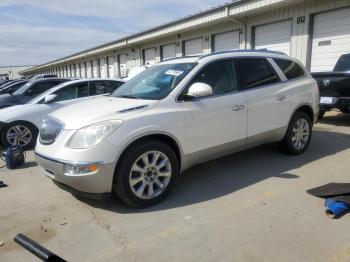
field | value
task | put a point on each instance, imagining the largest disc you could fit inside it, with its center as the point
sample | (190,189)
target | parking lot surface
(250,206)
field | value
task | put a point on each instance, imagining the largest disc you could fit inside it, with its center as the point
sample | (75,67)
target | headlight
(94,134)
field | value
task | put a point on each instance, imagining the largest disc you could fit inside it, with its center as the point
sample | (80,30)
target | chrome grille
(49,130)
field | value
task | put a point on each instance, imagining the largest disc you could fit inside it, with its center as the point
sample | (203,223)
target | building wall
(12,71)
(244,17)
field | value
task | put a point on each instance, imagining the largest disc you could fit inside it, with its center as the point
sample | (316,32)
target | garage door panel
(150,56)
(226,41)
(194,47)
(332,27)
(103,73)
(168,51)
(275,37)
(123,67)
(111,68)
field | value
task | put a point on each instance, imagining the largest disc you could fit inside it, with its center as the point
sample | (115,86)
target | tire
(147,179)
(301,123)
(26,139)
(321,114)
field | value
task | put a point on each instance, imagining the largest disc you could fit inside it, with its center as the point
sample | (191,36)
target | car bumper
(96,185)
(342,103)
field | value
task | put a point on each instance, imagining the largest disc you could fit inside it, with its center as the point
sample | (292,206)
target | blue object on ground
(336,208)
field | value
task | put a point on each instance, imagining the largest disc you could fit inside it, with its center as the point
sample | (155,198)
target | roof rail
(243,51)
(181,57)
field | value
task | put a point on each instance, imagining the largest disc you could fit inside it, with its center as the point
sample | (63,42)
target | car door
(266,95)
(220,120)
(65,96)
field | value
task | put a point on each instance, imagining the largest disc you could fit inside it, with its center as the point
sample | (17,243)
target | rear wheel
(298,136)
(19,134)
(146,174)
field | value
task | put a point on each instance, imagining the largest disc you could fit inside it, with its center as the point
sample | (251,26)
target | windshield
(156,82)
(22,89)
(343,64)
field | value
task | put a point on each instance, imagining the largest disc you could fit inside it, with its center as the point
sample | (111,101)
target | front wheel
(298,136)
(19,134)
(146,174)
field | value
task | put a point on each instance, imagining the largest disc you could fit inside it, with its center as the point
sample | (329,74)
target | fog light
(80,169)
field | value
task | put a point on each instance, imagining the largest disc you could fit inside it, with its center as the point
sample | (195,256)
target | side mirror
(49,98)
(198,90)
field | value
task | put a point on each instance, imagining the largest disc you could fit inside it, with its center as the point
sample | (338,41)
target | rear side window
(255,72)
(103,87)
(290,68)
(73,91)
(40,88)
(343,64)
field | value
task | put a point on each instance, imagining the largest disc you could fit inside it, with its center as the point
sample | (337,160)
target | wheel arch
(307,109)
(161,136)
(23,122)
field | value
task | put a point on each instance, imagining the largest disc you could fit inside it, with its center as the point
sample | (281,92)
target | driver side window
(219,76)
(72,92)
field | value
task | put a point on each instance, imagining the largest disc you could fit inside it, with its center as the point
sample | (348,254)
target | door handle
(281,98)
(237,108)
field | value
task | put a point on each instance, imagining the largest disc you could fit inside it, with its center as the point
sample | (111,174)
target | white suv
(174,115)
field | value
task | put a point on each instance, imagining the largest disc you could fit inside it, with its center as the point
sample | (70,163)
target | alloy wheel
(19,135)
(150,175)
(301,134)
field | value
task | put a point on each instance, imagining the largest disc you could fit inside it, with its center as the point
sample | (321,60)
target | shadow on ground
(226,175)
(339,119)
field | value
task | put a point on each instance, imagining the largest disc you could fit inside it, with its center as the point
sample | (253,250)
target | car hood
(8,113)
(99,109)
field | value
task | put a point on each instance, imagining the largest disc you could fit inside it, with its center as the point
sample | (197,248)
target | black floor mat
(331,190)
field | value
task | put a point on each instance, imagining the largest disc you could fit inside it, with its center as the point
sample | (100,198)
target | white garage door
(77,70)
(111,70)
(274,37)
(194,47)
(331,39)
(226,41)
(150,56)
(88,69)
(82,69)
(168,51)
(95,68)
(123,69)
(103,71)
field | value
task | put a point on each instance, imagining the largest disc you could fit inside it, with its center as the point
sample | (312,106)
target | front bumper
(91,184)
(342,103)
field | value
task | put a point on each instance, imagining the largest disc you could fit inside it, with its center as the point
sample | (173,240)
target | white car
(174,115)
(19,124)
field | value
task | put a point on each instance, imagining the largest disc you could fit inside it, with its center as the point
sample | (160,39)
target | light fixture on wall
(206,38)
(179,36)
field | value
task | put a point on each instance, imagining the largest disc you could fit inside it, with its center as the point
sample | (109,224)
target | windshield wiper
(129,96)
